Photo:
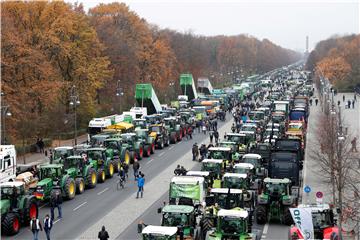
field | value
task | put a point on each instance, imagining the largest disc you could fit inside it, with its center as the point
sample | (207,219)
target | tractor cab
(236,180)
(140,123)
(49,177)
(8,188)
(227,198)
(151,232)
(60,153)
(241,139)
(219,153)
(257,162)
(235,155)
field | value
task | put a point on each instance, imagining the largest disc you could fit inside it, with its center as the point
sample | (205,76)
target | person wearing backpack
(48,223)
(103,234)
(35,226)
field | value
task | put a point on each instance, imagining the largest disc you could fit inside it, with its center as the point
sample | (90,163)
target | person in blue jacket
(140,182)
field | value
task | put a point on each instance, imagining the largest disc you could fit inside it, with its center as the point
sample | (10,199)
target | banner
(185,190)
(303,221)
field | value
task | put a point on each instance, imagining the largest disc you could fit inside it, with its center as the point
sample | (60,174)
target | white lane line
(57,220)
(79,206)
(171,147)
(150,161)
(265,230)
(43,205)
(161,154)
(99,193)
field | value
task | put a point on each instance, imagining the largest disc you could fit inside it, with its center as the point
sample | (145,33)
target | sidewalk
(36,158)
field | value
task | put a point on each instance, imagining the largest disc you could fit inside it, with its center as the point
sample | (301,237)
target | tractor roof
(252,155)
(51,165)
(187,180)
(161,230)
(277,181)
(229,143)
(198,173)
(219,161)
(244,165)
(235,175)
(223,149)
(226,190)
(11,184)
(241,213)
(75,157)
(178,209)
(235,134)
(64,148)
(128,134)
(247,132)
(95,149)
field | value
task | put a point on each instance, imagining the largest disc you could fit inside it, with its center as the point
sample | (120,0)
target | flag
(303,221)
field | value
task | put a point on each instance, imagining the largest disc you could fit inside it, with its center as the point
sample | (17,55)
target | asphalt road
(86,209)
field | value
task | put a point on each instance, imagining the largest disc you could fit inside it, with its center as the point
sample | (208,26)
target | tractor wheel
(125,157)
(70,188)
(140,152)
(91,178)
(110,169)
(206,224)
(80,185)
(287,218)
(153,148)
(167,143)
(31,210)
(147,151)
(261,214)
(173,137)
(101,175)
(10,224)
(132,156)
(161,144)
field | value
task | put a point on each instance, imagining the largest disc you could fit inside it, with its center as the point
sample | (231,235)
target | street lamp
(5,112)
(74,102)
(119,93)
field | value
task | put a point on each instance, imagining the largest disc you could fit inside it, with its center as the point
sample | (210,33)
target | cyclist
(122,175)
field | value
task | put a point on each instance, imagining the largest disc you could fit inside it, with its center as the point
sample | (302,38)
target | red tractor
(324,223)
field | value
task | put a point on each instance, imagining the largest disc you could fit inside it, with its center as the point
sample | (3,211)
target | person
(316,101)
(48,223)
(339,103)
(177,170)
(233,128)
(140,183)
(348,104)
(190,132)
(55,202)
(355,96)
(203,151)
(121,173)
(41,145)
(211,133)
(103,234)
(35,227)
(126,169)
(353,103)
(136,167)
(310,101)
(216,134)
(14,197)
(195,151)
(353,145)
(204,128)
(343,98)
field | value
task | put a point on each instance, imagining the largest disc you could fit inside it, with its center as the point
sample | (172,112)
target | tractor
(134,145)
(147,141)
(187,190)
(274,202)
(54,176)
(20,212)
(60,153)
(231,224)
(151,232)
(250,171)
(235,155)
(104,166)
(241,139)
(256,160)
(220,153)
(216,169)
(160,135)
(119,153)
(323,221)
(83,173)
(174,128)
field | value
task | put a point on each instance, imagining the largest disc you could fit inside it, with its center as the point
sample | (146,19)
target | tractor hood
(4,205)
(44,182)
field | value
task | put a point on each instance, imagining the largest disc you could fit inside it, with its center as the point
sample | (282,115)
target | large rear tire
(152,148)
(287,218)
(147,151)
(91,178)
(70,188)
(110,169)
(101,175)
(10,224)
(261,214)
(206,224)
(80,185)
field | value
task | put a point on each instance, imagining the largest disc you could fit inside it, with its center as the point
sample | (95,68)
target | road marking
(57,220)
(265,230)
(161,154)
(79,206)
(43,205)
(150,161)
(171,147)
(99,193)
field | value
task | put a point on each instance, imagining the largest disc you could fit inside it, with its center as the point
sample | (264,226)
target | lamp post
(119,93)
(171,84)
(5,112)
(74,102)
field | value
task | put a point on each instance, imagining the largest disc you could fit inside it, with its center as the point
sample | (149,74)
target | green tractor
(134,145)
(152,232)
(223,153)
(174,128)
(83,173)
(235,154)
(274,202)
(231,224)
(160,134)
(147,141)
(60,153)
(216,169)
(53,176)
(117,151)
(20,212)
(104,165)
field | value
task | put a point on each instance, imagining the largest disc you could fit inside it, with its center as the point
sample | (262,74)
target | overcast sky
(285,22)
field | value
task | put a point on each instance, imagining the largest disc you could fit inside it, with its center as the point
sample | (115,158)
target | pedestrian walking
(103,234)
(140,183)
(216,135)
(48,223)
(55,202)
(190,131)
(348,104)
(353,145)
(35,226)
(136,167)
(195,151)
(310,101)
(353,103)
(211,134)
(316,101)
(343,98)
(339,103)
(355,96)
(126,170)
(41,145)
(204,129)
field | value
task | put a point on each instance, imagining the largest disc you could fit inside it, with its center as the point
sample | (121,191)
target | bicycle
(120,183)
